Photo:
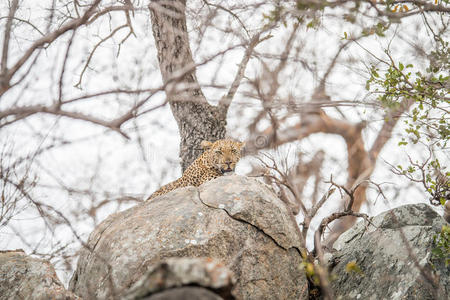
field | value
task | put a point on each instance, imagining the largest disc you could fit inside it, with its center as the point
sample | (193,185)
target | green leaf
(375,73)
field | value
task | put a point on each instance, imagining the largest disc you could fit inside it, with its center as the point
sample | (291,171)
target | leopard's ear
(206,145)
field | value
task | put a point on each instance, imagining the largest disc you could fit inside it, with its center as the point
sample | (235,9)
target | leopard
(218,159)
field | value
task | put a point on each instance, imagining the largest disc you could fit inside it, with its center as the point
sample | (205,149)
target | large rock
(236,220)
(392,259)
(176,278)
(447,211)
(25,277)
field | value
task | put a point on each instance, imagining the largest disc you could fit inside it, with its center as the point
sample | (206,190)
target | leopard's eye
(234,151)
(218,152)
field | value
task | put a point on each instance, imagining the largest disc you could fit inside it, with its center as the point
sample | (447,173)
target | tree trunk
(197,120)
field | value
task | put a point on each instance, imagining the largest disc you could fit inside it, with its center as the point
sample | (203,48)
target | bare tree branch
(6,37)
(48,38)
(225,101)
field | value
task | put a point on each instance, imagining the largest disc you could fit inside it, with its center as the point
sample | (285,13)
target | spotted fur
(218,158)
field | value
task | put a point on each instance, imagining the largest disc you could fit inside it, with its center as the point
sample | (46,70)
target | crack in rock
(246,222)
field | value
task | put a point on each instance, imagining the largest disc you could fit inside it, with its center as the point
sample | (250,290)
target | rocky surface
(25,277)
(177,277)
(184,293)
(236,220)
(447,211)
(391,259)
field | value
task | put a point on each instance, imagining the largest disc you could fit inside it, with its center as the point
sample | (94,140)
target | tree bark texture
(197,120)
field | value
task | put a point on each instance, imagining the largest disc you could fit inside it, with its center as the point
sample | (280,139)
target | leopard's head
(222,155)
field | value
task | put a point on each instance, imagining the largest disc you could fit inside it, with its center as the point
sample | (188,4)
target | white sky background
(104,163)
